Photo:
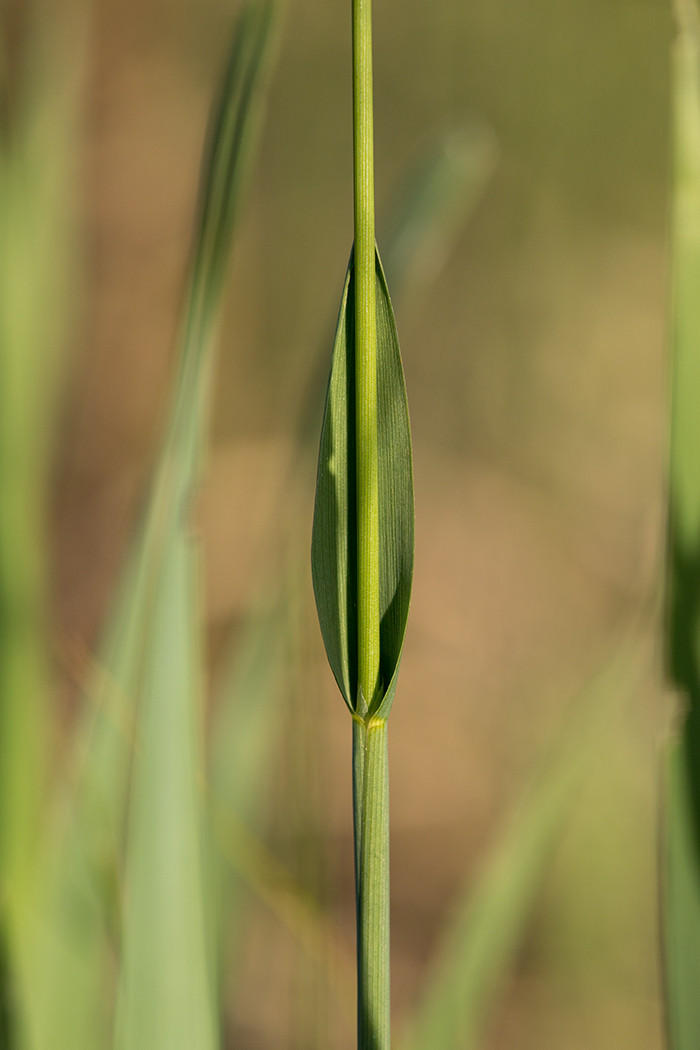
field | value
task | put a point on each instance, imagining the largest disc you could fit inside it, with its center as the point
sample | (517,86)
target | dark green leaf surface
(334,542)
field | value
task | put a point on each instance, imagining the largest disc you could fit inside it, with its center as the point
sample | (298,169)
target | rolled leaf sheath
(373,984)
(365,360)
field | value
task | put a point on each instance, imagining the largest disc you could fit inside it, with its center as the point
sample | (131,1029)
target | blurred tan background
(536,372)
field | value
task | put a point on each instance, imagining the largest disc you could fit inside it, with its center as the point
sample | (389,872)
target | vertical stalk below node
(373,972)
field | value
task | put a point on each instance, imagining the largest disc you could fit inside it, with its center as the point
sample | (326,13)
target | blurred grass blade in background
(37,275)
(682,805)
(430,208)
(166,995)
(109,703)
(155,614)
(81,894)
(488,926)
(166,987)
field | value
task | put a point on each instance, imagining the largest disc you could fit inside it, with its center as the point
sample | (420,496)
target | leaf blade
(334,535)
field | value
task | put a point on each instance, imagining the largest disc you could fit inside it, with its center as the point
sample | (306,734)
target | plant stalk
(370,765)
(371,795)
(365,359)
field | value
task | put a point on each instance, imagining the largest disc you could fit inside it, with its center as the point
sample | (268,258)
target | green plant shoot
(362,547)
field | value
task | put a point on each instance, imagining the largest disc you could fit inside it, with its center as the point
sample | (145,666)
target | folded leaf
(334,539)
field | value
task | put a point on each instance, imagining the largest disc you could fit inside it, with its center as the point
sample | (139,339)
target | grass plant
(167,992)
(38,268)
(432,204)
(487,925)
(362,548)
(428,210)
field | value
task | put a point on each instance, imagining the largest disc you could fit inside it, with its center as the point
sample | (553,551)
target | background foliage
(534,358)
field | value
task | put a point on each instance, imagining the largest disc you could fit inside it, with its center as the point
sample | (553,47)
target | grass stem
(370,765)
(373,992)
(365,358)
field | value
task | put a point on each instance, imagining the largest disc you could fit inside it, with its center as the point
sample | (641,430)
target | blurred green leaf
(166,995)
(682,810)
(333,549)
(79,907)
(166,986)
(430,208)
(37,272)
(153,625)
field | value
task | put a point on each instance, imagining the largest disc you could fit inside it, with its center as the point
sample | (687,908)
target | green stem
(372,865)
(359,740)
(370,765)
(365,358)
